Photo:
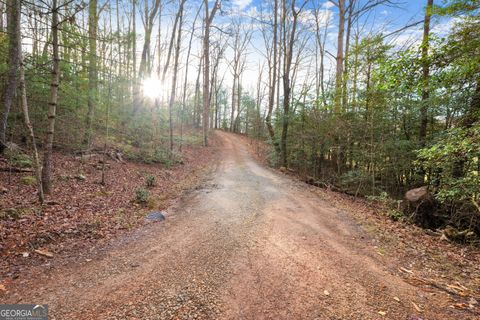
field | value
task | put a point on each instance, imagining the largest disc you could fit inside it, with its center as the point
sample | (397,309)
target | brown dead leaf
(396,299)
(382,313)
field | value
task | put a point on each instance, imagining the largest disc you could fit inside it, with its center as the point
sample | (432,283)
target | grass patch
(28,180)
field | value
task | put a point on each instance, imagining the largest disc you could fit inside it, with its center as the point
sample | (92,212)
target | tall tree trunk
(52,105)
(196,98)
(92,69)
(1,16)
(185,81)
(206,68)
(134,57)
(239,101)
(109,102)
(119,37)
(206,74)
(14,47)
(234,92)
(28,124)
(149,19)
(273,76)
(178,18)
(425,75)
(289,40)
(339,58)
(347,56)
(175,71)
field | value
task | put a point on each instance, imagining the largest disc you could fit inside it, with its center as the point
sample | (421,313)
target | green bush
(166,157)
(272,156)
(22,161)
(159,155)
(453,166)
(142,195)
(28,180)
(17,158)
(395,215)
(150,181)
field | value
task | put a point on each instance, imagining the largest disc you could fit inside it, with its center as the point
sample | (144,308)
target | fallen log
(16,170)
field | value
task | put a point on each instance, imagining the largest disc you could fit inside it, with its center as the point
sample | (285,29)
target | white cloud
(324,17)
(253,12)
(444,27)
(242,4)
(406,38)
(327,5)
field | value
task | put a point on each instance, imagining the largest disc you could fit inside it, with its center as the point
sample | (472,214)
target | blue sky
(383,18)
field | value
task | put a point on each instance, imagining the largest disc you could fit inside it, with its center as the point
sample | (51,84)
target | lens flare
(152,87)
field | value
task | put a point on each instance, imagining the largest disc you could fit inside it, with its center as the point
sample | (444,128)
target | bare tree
(289,39)
(148,19)
(241,39)
(175,69)
(185,81)
(272,65)
(52,104)
(340,4)
(320,39)
(209,15)
(220,46)
(28,124)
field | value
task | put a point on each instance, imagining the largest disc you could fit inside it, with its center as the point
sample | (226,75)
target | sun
(152,87)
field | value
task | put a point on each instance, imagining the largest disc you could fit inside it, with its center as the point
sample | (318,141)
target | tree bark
(28,124)
(52,105)
(289,40)
(273,76)
(149,19)
(1,16)
(425,75)
(175,71)
(185,81)
(339,59)
(14,47)
(92,69)
(206,68)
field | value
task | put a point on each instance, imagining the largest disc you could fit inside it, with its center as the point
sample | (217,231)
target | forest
(240,159)
(338,96)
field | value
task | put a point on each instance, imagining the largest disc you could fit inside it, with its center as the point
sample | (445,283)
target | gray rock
(155,216)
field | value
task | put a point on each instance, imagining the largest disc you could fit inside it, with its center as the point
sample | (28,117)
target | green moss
(150,181)
(142,195)
(18,159)
(14,213)
(28,180)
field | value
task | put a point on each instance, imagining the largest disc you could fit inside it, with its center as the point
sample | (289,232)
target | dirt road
(252,244)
